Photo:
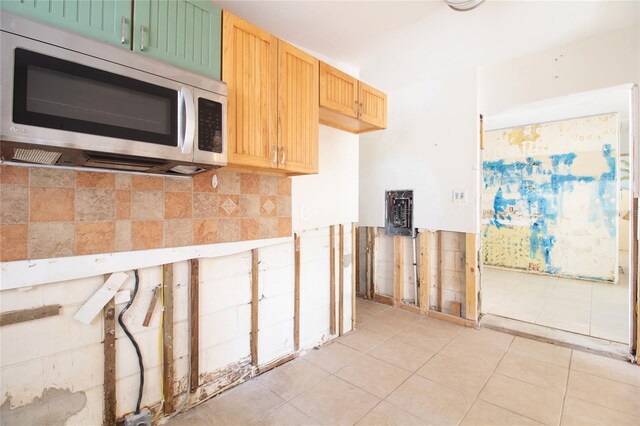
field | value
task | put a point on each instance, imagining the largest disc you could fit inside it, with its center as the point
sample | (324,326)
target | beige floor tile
(400,317)
(192,417)
(609,326)
(608,393)
(466,377)
(484,336)
(540,351)
(483,414)
(567,315)
(523,398)
(286,415)
(581,413)
(438,328)
(572,290)
(334,401)
(373,376)
(490,298)
(535,372)
(362,340)
(385,414)
(332,357)
(383,326)
(608,368)
(523,308)
(418,339)
(401,354)
(241,405)
(483,355)
(292,378)
(431,401)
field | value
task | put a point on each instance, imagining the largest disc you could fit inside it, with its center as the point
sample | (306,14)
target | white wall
(594,63)
(430,146)
(331,196)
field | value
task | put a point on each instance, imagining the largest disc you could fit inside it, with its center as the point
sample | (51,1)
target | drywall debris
(53,408)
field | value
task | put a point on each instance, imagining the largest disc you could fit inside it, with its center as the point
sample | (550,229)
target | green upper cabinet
(106,20)
(186,33)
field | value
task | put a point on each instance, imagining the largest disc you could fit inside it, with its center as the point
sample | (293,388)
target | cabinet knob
(274,160)
(123,26)
(141,38)
(283,155)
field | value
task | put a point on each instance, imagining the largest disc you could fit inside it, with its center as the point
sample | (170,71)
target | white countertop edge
(27,273)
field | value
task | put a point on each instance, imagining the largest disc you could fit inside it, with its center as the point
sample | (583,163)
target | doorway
(557,231)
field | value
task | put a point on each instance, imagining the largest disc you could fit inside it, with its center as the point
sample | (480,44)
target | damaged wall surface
(53,367)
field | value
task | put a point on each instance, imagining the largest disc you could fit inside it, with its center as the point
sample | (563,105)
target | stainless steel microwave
(71,101)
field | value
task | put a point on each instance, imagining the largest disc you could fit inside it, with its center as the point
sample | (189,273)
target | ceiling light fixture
(463,5)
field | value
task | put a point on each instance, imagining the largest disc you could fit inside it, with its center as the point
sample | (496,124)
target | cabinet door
(373,106)
(186,33)
(249,67)
(105,20)
(298,76)
(338,91)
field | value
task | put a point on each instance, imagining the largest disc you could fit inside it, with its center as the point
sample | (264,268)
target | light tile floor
(585,307)
(423,371)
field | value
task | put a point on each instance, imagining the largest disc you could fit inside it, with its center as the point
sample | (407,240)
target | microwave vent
(38,156)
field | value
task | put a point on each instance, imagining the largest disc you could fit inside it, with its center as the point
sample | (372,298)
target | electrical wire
(133,341)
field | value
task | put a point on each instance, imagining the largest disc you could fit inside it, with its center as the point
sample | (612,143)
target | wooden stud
(383,299)
(332,282)
(424,272)
(152,306)
(355,254)
(276,363)
(371,267)
(481,132)
(398,270)
(167,341)
(439,281)
(453,319)
(109,387)
(22,315)
(471,273)
(255,301)
(356,261)
(456,309)
(194,318)
(341,282)
(296,299)
(410,308)
(635,305)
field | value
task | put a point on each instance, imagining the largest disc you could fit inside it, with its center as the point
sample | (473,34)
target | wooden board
(355,254)
(255,300)
(194,320)
(424,272)
(332,280)
(22,315)
(296,292)
(383,299)
(341,282)
(167,338)
(398,270)
(109,348)
(439,281)
(371,267)
(276,363)
(152,306)
(471,277)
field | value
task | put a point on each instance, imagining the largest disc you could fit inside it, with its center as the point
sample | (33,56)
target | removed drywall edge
(25,273)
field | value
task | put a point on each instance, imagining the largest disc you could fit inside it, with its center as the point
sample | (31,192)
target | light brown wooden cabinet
(272,110)
(349,104)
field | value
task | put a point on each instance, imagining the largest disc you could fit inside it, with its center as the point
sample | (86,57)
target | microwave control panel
(209,125)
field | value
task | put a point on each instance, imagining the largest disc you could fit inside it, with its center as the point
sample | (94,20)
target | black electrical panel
(399,213)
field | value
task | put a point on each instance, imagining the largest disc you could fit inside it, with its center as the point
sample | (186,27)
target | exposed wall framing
(15,317)
(167,338)
(109,386)
(332,279)
(255,301)
(341,282)
(355,271)
(296,294)
(194,324)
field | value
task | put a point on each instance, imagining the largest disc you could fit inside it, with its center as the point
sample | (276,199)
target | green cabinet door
(105,20)
(186,33)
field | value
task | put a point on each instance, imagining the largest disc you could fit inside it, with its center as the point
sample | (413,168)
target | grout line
(487,381)
(566,389)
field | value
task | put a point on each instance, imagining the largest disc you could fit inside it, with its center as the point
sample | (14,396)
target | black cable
(133,341)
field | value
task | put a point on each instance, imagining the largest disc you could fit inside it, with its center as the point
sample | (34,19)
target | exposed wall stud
(424,272)
(22,315)
(471,277)
(439,281)
(194,318)
(355,269)
(398,270)
(341,282)
(167,341)
(255,300)
(109,347)
(332,282)
(296,292)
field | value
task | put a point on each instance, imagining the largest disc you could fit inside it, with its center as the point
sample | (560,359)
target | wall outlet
(459,196)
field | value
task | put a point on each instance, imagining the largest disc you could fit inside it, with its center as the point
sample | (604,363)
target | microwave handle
(186,120)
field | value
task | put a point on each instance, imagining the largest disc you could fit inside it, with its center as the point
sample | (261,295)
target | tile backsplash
(46,212)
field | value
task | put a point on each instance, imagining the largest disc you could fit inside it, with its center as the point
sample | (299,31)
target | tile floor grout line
(487,381)
(566,390)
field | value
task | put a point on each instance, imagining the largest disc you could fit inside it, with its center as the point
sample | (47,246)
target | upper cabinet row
(185,33)
(272,107)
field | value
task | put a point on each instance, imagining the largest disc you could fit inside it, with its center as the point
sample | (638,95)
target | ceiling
(406,39)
